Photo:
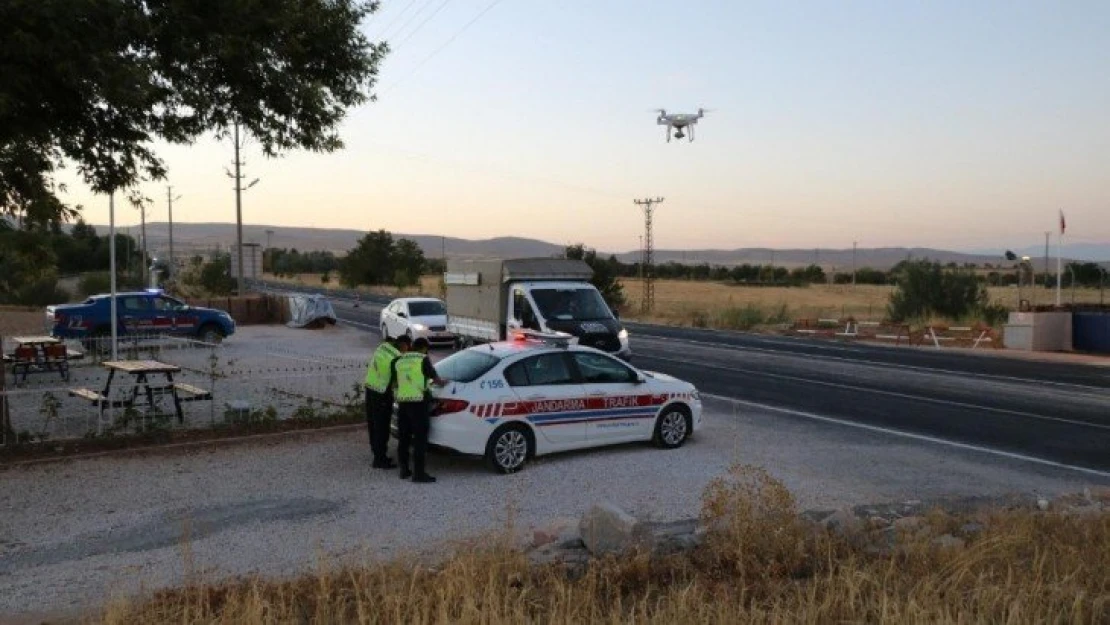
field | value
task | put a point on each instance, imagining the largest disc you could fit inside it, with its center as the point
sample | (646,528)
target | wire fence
(207,386)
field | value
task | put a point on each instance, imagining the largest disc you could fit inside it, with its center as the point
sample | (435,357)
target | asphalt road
(1047,413)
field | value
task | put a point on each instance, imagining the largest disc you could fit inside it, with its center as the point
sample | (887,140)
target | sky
(958,125)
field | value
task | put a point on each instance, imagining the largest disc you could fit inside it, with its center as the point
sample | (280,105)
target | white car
(513,400)
(417,317)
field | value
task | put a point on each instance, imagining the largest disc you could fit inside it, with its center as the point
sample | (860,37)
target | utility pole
(648,205)
(239,188)
(853,263)
(169,203)
(268,253)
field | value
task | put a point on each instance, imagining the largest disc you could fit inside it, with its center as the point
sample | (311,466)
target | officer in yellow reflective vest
(379,400)
(413,375)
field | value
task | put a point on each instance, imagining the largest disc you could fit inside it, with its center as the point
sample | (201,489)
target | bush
(94,283)
(41,291)
(745,318)
(926,289)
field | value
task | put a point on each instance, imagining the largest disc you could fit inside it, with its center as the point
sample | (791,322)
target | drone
(679,121)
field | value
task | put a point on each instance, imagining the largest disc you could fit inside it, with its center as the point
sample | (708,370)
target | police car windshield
(466,366)
(426,309)
(571,304)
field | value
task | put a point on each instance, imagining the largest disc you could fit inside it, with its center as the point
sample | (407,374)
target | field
(759,562)
(721,305)
(681,302)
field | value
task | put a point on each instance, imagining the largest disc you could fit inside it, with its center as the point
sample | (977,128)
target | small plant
(48,410)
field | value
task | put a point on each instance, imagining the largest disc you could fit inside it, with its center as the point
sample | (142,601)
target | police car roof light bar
(553,339)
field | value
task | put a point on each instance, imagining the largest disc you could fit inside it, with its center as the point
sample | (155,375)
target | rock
(560,530)
(605,528)
(948,541)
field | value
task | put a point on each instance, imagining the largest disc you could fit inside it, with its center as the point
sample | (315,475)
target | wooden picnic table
(38,354)
(143,387)
(36,340)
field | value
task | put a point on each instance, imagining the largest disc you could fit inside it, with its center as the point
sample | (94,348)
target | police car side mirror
(640,379)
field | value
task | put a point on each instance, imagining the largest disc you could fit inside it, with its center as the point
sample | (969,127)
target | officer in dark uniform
(413,374)
(379,400)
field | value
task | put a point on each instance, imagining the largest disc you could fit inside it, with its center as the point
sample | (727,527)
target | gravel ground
(266,366)
(74,533)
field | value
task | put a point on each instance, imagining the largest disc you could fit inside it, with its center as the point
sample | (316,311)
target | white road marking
(878,363)
(900,433)
(946,402)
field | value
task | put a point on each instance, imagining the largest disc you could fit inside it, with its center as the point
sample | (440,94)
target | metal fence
(229,384)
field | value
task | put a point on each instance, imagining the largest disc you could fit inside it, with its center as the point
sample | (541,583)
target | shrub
(745,318)
(925,289)
(94,283)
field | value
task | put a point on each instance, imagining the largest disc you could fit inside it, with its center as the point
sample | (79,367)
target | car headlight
(419,327)
(623,334)
(695,395)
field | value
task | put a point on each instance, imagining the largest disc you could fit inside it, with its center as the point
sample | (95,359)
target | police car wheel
(508,449)
(672,428)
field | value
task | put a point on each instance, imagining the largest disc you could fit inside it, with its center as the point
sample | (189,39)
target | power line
(393,22)
(412,18)
(421,24)
(441,47)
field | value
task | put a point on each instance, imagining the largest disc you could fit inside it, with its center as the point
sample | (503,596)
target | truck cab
(571,308)
(487,300)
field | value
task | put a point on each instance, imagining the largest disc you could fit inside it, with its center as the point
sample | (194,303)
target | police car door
(551,399)
(620,406)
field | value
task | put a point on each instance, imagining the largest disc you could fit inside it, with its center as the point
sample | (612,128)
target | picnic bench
(39,354)
(144,391)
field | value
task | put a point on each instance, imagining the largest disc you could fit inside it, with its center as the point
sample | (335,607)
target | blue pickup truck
(146,313)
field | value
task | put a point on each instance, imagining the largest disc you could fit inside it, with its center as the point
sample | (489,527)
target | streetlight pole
(112,271)
(169,201)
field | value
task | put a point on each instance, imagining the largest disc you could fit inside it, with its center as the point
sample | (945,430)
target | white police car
(537,394)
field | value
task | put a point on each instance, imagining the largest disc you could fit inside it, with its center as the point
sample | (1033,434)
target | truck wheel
(509,447)
(673,427)
(210,333)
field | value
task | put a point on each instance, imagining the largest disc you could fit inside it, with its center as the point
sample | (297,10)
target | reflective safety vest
(377,374)
(411,382)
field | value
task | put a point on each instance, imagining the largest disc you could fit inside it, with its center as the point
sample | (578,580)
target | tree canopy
(98,81)
(605,274)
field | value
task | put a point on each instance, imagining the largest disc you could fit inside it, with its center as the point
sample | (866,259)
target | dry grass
(429,285)
(721,305)
(15,320)
(760,563)
(682,302)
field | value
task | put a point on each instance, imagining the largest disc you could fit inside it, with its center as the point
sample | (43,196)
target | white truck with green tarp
(488,299)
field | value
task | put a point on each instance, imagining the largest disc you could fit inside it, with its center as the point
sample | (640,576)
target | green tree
(215,276)
(97,82)
(370,262)
(926,289)
(605,274)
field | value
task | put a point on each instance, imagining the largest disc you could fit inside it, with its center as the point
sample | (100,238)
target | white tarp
(309,311)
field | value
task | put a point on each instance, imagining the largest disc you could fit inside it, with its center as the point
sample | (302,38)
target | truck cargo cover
(526,269)
(309,311)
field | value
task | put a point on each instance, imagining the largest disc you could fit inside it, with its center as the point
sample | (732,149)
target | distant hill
(190,237)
